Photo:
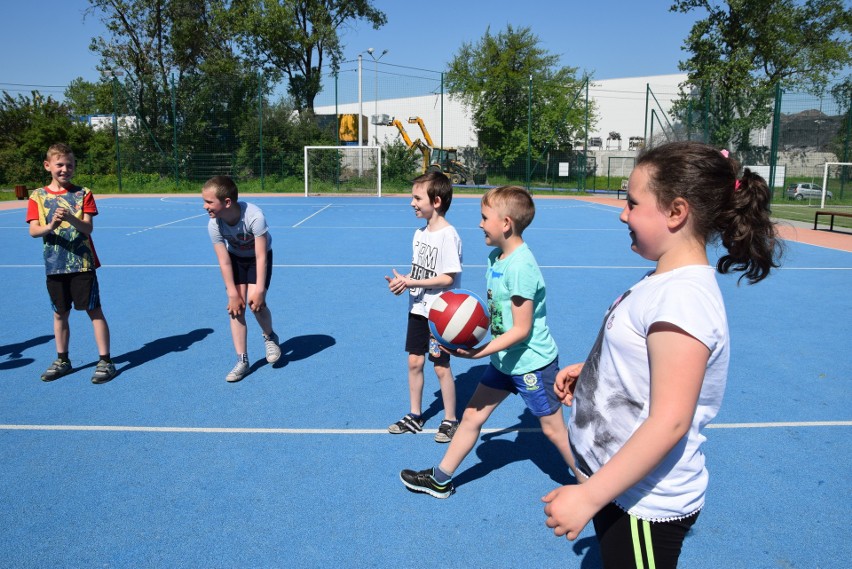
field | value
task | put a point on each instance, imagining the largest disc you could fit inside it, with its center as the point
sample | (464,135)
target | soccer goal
(343,169)
(840,169)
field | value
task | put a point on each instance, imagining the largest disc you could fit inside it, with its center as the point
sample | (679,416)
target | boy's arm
(522,319)
(438,281)
(235,300)
(257,300)
(84,226)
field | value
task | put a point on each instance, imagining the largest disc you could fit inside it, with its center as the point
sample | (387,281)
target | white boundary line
(319,211)
(169,223)
(272,431)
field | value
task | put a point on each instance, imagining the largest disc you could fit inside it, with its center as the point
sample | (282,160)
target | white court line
(271,431)
(169,223)
(312,215)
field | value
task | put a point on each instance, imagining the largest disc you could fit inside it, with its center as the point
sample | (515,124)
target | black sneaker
(56,370)
(423,481)
(408,424)
(104,372)
(446,430)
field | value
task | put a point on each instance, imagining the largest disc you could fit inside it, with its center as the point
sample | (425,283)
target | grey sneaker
(56,370)
(408,424)
(273,350)
(104,372)
(446,430)
(240,371)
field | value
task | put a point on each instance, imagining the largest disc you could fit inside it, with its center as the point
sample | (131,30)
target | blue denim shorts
(535,387)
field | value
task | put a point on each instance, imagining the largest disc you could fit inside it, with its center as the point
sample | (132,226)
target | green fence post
(174,133)
(115,128)
(260,126)
(776,132)
(529,130)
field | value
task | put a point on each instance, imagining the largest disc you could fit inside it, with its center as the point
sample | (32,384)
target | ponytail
(734,210)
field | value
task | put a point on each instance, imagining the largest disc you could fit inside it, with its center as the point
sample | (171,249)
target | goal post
(841,165)
(343,169)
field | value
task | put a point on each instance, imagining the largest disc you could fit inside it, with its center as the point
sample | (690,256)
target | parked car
(804,190)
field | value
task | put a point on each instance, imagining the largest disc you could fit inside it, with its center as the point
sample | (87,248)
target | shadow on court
(300,348)
(157,349)
(15,352)
(466,383)
(530,444)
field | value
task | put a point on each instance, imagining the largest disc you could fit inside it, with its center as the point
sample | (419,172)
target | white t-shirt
(239,238)
(434,253)
(612,397)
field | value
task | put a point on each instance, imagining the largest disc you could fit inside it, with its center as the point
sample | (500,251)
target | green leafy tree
(399,162)
(86,98)
(493,77)
(28,126)
(184,46)
(743,49)
(297,38)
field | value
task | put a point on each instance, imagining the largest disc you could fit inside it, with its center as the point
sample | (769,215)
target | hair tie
(725,153)
(737,185)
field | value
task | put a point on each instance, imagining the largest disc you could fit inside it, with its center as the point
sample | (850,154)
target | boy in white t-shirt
(436,266)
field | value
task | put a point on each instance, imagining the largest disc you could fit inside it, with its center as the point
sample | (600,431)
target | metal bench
(832,215)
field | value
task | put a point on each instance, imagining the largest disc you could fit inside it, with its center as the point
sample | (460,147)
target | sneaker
(56,370)
(240,371)
(446,431)
(408,424)
(424,482)
(273,350)
(104,372)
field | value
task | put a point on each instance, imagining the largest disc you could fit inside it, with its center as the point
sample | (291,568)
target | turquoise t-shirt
(518,275)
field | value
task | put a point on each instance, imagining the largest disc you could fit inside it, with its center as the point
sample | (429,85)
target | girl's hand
(568,511)
(566,382)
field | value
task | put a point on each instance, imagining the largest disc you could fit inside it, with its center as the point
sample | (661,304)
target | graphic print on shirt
(242,241)
(590,414)
(423,266)
(497,324)
(67,250)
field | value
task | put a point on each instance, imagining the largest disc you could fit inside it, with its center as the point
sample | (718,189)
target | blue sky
(45,44)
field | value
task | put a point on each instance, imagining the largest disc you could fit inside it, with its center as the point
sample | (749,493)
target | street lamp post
(376,92)
(113,75)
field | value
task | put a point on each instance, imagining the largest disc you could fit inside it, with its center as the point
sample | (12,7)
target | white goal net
(343,169)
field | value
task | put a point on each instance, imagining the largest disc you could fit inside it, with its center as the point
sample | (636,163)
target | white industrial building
(620,107)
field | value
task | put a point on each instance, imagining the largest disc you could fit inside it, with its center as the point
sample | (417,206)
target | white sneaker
(273,350)
(240,371)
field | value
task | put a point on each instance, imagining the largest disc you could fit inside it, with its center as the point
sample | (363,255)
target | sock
(105,358)
(63,356)
(440,476)
(243,357)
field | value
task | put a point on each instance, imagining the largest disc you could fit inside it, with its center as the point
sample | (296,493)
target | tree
(28,126)
(494,77)
(744,49)
(294,38)
(181,72)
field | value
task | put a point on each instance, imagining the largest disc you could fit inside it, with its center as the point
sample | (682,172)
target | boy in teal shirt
(524,357)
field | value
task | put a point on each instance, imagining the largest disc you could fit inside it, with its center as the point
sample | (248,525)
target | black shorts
(81,289)
(417,339)
(627,541)
(245,269)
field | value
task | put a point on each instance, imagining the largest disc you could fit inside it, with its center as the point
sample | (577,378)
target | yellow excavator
(412,146)
(441,159)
